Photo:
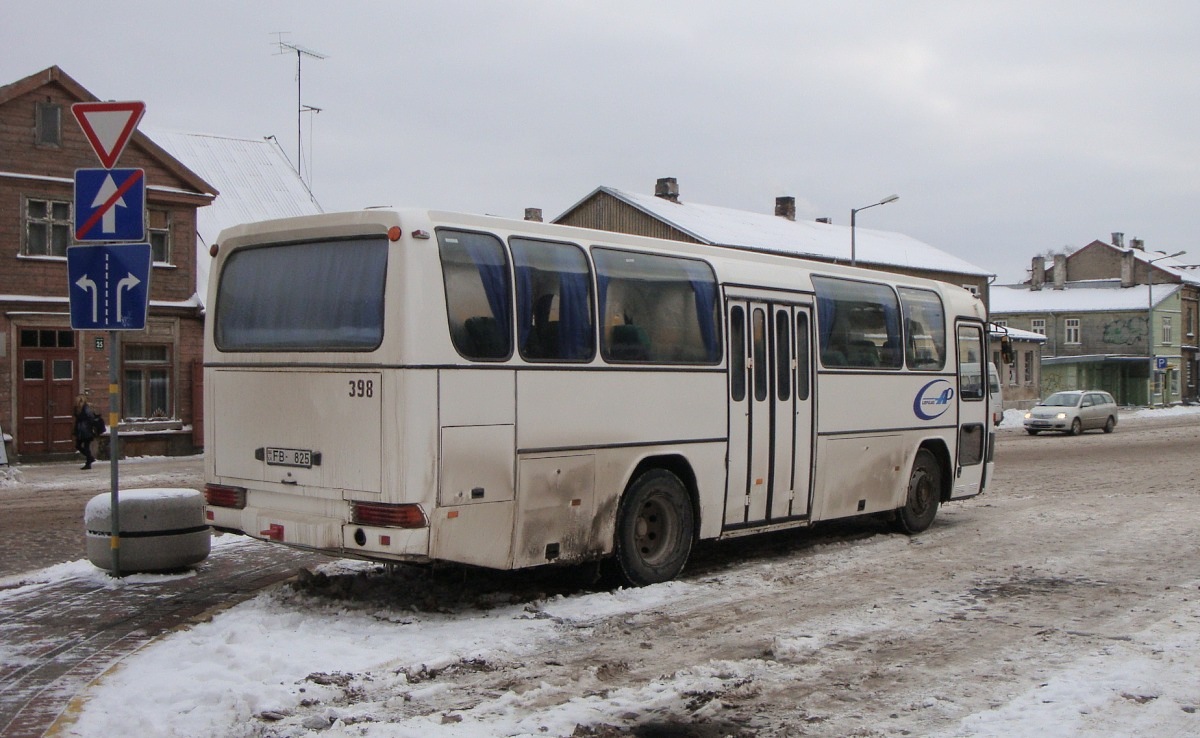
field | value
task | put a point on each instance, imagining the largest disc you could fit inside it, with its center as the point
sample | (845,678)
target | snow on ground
(285,649)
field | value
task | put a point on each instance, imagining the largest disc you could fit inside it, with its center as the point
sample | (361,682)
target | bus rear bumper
(327,535)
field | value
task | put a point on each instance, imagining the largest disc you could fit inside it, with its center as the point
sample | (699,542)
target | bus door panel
(802,415)
(761,450)
(783,412)
(738,471)
(770,413)
(973,417)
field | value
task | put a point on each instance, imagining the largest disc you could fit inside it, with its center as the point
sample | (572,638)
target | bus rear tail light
(383,515)
(219,495)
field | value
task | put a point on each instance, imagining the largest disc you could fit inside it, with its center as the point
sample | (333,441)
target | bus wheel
(924,494)
(654,529)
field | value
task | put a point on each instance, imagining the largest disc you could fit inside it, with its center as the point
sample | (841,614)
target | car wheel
(924,494)
(1076,427)
(655,528)
(1032,431)
(1110,424)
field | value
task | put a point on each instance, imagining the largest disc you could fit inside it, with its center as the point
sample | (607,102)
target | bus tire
(655,528)
(924,493)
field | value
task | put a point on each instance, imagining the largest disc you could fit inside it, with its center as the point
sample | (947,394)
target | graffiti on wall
(1125,331)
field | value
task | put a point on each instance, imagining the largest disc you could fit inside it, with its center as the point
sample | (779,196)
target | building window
(1028,367)
(147,381)
(1167,330)
(1038,325)
(48,226)
(48,124)
(973,289)
(158,232)
(1072,330)
(1000,323)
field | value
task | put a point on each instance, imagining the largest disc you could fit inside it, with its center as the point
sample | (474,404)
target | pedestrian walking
(88,425)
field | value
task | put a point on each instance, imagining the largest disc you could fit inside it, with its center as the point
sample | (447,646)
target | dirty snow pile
(256,664)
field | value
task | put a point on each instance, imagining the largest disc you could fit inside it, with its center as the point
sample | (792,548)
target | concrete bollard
(161,529)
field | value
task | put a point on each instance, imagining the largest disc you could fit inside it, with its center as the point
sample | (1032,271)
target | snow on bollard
(161,529)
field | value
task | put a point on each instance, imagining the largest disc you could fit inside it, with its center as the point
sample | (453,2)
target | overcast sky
(1007,128)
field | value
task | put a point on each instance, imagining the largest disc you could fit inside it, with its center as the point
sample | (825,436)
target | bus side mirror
(1006,350)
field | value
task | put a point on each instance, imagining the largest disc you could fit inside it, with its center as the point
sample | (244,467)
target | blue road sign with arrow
(109,286)
(110,204)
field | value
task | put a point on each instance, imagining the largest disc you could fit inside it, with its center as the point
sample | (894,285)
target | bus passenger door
(770,413)
(973,417)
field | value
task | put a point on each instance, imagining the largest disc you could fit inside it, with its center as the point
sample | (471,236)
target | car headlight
(1028,416)
(1061,416)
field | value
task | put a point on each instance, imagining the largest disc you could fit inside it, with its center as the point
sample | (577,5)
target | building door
(770,413)
(46,366)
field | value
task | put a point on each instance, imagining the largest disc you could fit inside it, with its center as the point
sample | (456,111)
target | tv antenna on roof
(301,108)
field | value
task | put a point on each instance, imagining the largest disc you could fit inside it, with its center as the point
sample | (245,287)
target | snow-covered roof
(742,228)
(1101,296)
(1015,333)
(253,176)
(1169,264)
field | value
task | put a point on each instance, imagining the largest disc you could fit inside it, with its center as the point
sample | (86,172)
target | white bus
(417,386)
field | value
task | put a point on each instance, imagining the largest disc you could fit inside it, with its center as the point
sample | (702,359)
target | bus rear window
(315,296)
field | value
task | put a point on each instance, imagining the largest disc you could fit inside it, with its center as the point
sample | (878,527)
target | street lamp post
(854,213)
(1150,325)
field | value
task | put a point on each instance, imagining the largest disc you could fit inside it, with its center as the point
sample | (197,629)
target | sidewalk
(65,626)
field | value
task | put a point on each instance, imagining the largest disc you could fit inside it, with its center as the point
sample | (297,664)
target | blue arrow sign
(110,204)
(109,286)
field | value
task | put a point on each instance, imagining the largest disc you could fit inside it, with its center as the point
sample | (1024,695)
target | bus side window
(656,309)
(554,301)
(478,293)
(971,382)
(925,329)
(737,353)
(858,324)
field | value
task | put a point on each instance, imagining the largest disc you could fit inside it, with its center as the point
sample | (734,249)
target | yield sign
(108,126)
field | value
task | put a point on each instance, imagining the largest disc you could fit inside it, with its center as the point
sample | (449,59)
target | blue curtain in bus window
(706,298)
(574,315)
(893,352)
(826,314)
(493,273)
(524,300)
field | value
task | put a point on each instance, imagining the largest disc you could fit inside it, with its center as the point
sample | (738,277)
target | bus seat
(832,357)
(629,343)
(486,337)
(863,353)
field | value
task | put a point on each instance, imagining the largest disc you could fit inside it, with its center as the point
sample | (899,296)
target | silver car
(1073,412)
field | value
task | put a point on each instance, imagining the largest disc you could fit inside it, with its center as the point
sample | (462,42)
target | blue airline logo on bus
(933,399)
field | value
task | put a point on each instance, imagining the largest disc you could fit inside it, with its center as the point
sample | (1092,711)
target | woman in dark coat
(85,430)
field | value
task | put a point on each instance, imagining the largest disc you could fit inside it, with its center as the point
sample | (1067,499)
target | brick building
(43,363)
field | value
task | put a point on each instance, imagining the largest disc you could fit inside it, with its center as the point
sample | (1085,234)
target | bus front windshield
(312,296)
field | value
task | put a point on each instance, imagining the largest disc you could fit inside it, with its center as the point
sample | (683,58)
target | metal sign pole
(114,445)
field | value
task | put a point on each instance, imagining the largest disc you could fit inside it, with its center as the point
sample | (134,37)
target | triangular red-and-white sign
(108,126)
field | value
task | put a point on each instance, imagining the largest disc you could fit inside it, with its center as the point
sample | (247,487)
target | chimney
(534,214)
(1037,273)
(1138,244)
(667,188)
(1060,271)
(826,221)
(1127,262)
(1118,239)
(785,207)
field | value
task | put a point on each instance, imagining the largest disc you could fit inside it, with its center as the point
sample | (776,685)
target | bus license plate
(289,457)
